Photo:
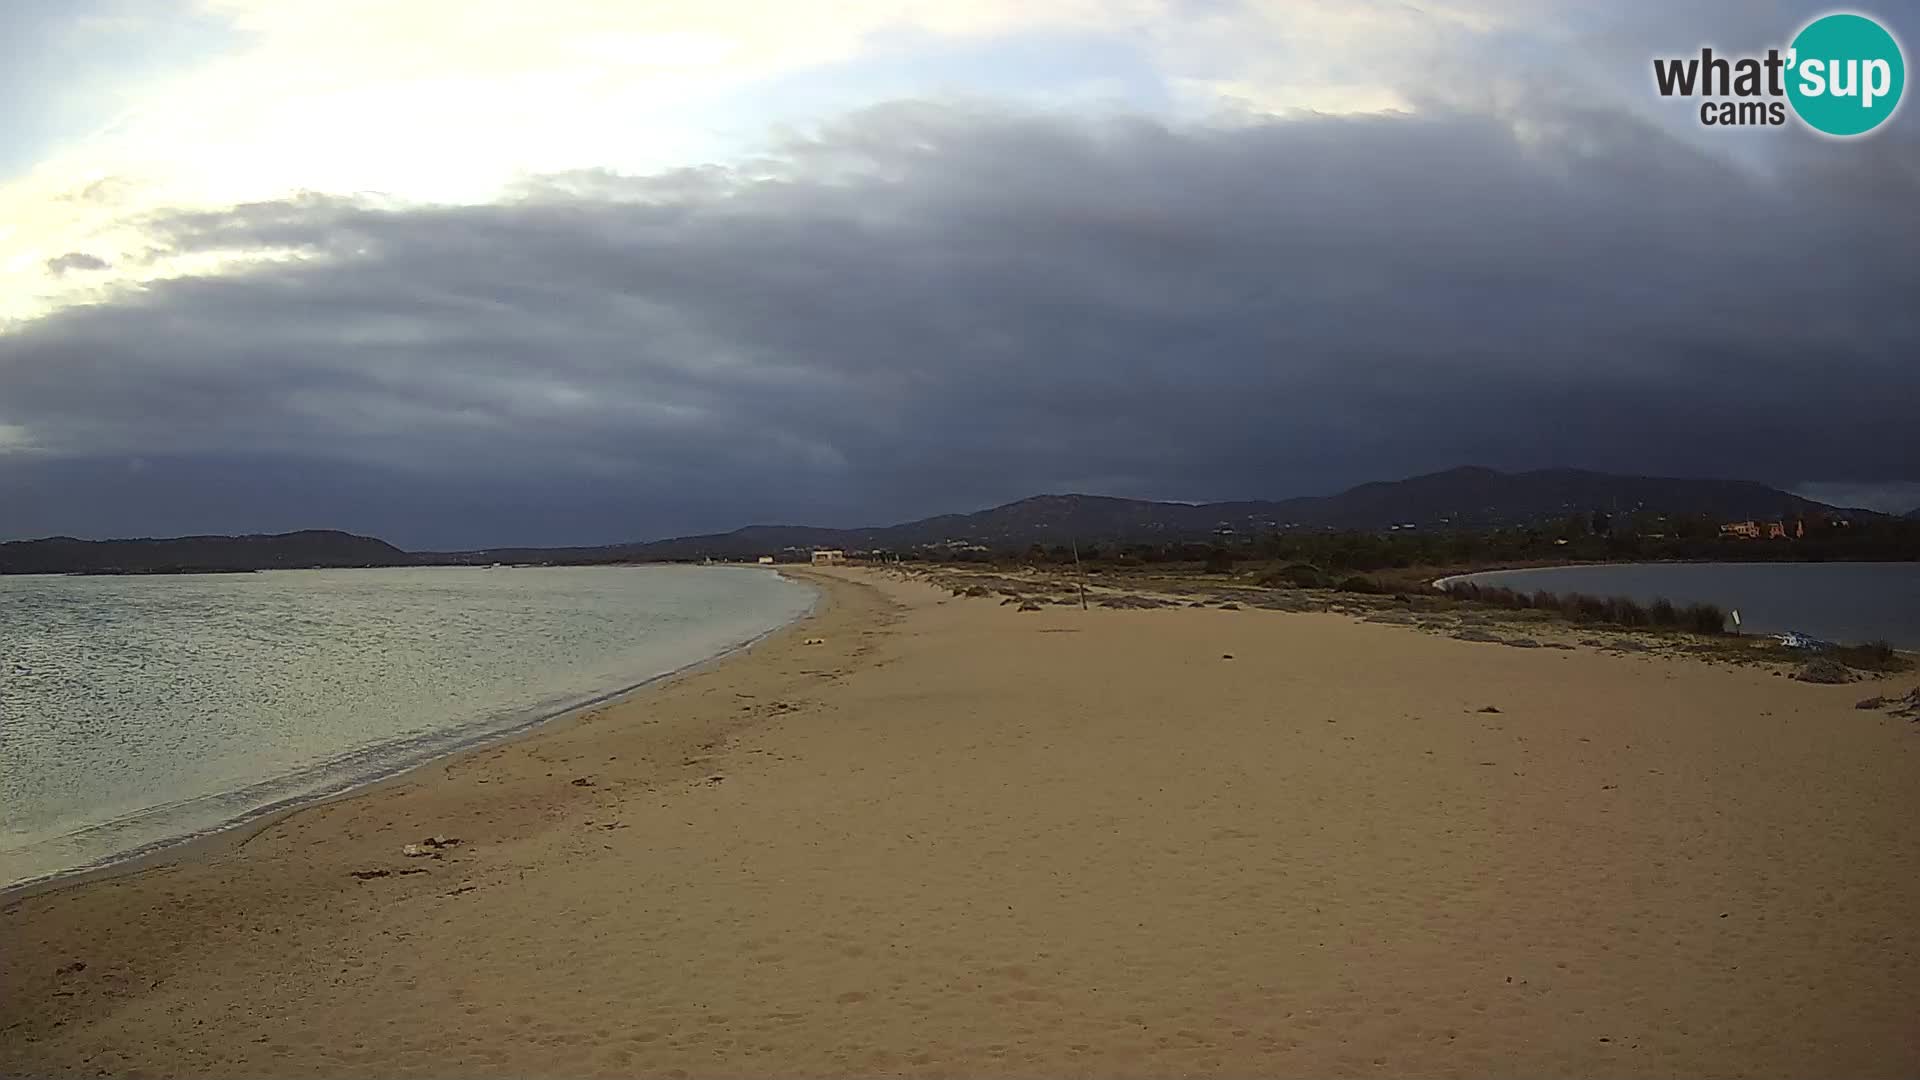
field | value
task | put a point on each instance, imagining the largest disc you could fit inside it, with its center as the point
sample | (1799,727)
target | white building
(829,557)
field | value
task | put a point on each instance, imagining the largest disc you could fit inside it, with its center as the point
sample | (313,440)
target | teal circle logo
(1845,74)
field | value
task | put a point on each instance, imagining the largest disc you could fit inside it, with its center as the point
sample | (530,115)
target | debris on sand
(1488,708)
(1824,670)
(1476,635)
(822,641)
(430,847)
(1522,643)
(582,781)
(1029,605)
(74,968)
(1907,705)
(369,875)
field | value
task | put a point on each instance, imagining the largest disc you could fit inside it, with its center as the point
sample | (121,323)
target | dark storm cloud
(937,307)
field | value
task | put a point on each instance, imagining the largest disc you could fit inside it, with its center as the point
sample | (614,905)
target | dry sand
(960,839)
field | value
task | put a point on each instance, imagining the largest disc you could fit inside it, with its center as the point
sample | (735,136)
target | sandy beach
(919,834)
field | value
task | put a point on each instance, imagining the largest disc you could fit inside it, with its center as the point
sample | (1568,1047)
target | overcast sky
(466,274)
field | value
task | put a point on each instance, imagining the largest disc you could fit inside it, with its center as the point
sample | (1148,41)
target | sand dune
(958,839)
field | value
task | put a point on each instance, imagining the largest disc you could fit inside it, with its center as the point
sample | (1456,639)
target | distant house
(766,560)
(829,557)
(1771,530)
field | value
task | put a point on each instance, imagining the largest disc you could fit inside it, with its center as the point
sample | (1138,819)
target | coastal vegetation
(1597,537)
(1612,610)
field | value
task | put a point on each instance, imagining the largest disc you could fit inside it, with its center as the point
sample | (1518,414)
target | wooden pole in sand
(1075,541)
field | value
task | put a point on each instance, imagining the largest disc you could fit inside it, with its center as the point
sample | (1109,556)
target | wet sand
(958,839)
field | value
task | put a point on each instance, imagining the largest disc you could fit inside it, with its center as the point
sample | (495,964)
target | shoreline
(922,834)
(251,822)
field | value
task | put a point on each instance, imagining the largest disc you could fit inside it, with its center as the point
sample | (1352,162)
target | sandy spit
(954,838)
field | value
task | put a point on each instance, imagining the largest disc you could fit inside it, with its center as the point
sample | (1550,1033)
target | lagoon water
(1847,602)
(137,710)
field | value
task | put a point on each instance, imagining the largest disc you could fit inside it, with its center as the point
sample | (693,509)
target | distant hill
(1467,498)
(189,554)
(1463,498)
(1478,497)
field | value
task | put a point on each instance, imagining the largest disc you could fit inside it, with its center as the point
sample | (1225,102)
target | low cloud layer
(75,260)
(928,307)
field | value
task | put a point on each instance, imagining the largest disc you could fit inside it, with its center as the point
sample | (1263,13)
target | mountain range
(1462,498)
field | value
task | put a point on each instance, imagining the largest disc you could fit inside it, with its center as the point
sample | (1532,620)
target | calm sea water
(1844,602)
(136,710)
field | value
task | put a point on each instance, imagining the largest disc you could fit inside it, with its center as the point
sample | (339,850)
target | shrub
(1824,670)
(1501,596)
(1219,561)
(1589,608)
(1704,619)
(1873,656)
(1359,584)
(1297,575)
(1663,613)
(1628,612)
